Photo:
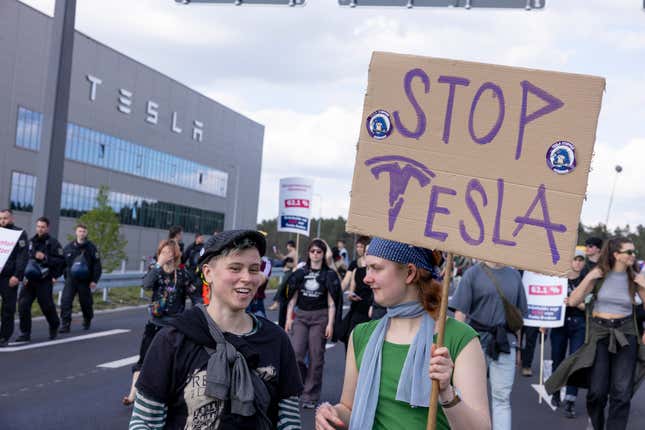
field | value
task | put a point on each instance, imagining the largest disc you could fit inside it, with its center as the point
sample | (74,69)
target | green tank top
(391,413)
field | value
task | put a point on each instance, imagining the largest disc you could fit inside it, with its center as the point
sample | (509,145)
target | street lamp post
(618,169)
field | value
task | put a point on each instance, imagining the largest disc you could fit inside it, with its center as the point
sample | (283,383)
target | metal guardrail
(128,279)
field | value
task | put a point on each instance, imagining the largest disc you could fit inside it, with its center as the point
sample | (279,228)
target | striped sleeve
(289,414)
(147,414)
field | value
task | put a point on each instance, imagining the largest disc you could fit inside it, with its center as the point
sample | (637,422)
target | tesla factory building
(168,155)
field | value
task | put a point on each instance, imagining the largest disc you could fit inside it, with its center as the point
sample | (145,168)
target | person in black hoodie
(46,263)
(11,276)
(82,272)
(316,292)
(189,258)
(219,367)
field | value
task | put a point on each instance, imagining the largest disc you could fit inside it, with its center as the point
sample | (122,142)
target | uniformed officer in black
(10,277)
(45,264)
(82,272)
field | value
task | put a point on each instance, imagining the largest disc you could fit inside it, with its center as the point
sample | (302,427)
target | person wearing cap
(593,246)
(315,290)
(390,362)
(170,285)
(571,334)
(218,366)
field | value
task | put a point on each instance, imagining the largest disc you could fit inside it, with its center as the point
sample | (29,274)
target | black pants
(530,335)
(9,296)
(149,333)
(41,291)
(84,297)
(612,375)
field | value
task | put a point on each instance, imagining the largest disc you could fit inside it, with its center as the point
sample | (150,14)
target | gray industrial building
(168,154)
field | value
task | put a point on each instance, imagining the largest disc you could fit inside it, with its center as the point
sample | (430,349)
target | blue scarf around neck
(414,384)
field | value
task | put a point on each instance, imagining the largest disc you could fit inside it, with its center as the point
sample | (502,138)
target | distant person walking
(170,286)
(315,290)
(82,272)
(46,263)
(479,300)
(611,362)
(593,246)
(10,277)
(281,297)
(360,294)
(571,334)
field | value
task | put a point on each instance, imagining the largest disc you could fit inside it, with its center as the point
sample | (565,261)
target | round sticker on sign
(561,157)
(379,125)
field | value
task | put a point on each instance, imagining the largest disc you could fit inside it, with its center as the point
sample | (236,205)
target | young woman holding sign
(612,360)
(390,362)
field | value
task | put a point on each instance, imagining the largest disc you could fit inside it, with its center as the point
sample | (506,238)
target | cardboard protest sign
(481,160)
(545,299)
(295,205)
(8,240)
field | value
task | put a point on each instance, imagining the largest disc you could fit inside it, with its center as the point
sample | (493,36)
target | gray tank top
(613,297)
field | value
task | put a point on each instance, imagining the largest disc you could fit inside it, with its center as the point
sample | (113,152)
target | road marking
(542,392)
(60,341)
(120,363)
(330,345)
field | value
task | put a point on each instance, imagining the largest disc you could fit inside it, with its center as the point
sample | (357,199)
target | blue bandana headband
(401,253)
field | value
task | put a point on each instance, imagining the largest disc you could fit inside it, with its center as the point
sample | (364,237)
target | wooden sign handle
(441,321)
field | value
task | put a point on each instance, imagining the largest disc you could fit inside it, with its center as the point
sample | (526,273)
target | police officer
(10,276)
(45,263)
(82,272)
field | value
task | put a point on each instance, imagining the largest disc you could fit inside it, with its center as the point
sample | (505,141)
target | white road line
(543,394)
(24,347)
(120,363)
(330,345)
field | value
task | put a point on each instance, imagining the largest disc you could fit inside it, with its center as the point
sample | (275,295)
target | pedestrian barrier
(127,279)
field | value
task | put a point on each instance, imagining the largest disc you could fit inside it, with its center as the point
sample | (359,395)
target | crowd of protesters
(220,363)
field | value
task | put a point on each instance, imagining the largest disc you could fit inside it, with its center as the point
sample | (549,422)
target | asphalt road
(61,386)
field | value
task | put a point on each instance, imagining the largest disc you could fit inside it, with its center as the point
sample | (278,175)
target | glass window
(23,190)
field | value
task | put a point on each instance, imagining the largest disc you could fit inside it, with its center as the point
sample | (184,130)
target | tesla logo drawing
(400,170)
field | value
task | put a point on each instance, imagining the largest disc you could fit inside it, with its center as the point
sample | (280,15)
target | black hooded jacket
(49,246)
(174,369)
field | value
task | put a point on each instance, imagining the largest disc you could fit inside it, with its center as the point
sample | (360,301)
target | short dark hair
(43,219)
(594,241)
(174,231)
(363,240)
(341,241)
(80,225)
(7,210)
(291,243)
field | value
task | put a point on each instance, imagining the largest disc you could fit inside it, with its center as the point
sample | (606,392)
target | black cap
(594,241)
(228,239)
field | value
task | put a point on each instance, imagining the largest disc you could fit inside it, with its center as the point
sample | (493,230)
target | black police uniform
(74,252)
(41,289)
(15,266)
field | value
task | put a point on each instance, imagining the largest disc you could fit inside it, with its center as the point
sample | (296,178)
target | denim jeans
(573,335)
(501,373)
(612,375)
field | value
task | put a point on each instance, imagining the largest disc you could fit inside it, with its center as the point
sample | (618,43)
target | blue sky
(302,72)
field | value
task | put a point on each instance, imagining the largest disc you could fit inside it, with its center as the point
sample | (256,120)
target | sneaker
(4,342)
(53,333)
(64,329)
(309,405)
(23,338)
(555,400)
(569,409)
(526,371)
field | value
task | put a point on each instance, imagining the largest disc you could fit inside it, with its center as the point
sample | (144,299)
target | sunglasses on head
(315,251)
(628,252)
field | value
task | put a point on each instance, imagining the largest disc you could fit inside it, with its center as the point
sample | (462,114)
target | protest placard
(545,299)
(481,160)
(8,240)
(295,205)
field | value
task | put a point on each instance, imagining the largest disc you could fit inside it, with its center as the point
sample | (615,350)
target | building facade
(167,154)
